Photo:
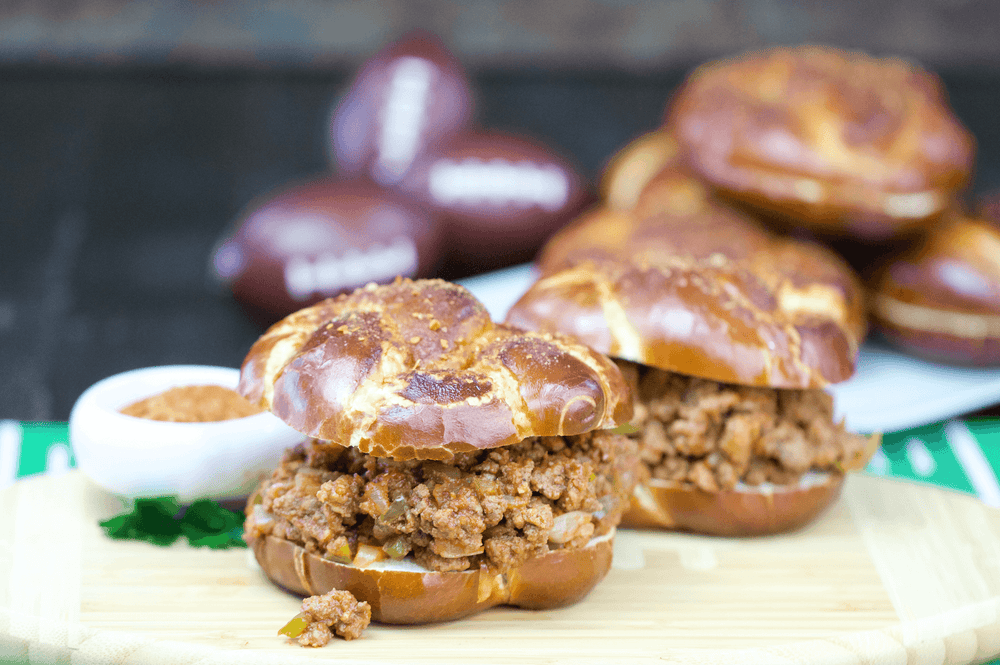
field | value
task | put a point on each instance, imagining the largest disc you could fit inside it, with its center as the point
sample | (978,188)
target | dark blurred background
(622,35)
(132,134)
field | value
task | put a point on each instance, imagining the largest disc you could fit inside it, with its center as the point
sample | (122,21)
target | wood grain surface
(893,573)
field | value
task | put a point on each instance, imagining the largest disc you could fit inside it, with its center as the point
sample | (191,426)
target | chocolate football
(321,238)
(499,196)
(409,97)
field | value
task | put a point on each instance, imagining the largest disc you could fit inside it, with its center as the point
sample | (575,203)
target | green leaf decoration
(161,521)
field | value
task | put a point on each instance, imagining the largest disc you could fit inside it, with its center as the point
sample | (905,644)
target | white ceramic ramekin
(138,457)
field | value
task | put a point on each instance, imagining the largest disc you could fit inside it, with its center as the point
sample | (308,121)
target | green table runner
(28,449)
(961,455)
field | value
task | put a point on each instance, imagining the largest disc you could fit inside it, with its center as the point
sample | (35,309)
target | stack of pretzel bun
(728,334)
(836,141)
(862,153)
(454,463)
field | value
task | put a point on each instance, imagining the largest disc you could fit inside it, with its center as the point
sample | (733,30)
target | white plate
(890,391)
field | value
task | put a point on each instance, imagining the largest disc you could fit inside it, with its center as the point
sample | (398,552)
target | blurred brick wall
(488,34)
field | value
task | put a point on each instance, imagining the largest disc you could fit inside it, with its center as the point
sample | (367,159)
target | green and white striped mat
(961,455)
(32,448)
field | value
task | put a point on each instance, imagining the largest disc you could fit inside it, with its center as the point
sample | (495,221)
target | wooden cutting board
(892,573)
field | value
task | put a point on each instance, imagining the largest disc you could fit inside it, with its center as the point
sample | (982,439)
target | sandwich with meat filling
(455,464)
(728,335)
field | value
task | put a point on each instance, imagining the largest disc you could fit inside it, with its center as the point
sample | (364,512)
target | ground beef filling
(714,435)
(494,507)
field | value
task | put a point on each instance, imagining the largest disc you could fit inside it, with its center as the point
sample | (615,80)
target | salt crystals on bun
(728,335)
(457,464)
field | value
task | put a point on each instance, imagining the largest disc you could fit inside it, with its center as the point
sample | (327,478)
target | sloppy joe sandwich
(455,464)
(728,335)
(840,142)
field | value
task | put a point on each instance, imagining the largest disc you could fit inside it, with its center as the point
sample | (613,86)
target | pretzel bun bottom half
(742,511)
(402,592)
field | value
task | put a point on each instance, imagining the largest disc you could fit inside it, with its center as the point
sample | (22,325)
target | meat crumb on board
(334,613)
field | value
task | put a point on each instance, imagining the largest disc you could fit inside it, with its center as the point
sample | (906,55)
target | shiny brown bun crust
(841,142)
(711,295)
(648,177)
(661,504)
(555,579)
(416,369)
(631,168)
(941,299)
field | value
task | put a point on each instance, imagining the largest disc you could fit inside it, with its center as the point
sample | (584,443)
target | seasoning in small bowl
(175,430)
(193,404)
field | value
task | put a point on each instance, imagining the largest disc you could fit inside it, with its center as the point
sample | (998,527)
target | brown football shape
(321,238)
(499,197)
(837,141)
(409,97)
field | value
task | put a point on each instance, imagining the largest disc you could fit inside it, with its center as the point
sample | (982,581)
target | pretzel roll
(941,299)
(837,141)
(631,168)
(674,215)
(416,369)
(717,297)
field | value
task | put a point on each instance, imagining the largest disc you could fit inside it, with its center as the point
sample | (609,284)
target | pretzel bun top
(839,141)
(715,296)
(417,369)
